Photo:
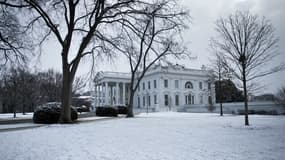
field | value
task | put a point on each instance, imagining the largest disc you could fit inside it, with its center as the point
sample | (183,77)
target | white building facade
(162,88)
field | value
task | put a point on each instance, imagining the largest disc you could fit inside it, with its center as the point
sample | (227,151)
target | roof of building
(158,68)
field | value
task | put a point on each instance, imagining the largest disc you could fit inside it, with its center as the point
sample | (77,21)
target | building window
(165,83)
(148,84)
(200,85)
(189,85)
(177,100)
(148,101)
(154,83)
(166,100)
(143,101)
(210,100)
(139,102)
(209,86)
(201,99)
(155,99)
(176,84)
(143,86)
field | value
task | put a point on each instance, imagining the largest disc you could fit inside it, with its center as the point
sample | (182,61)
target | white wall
(171,91)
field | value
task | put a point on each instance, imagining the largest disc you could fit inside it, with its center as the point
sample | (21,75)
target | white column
(99,94)
(111,95)
(95,95)
(129,94)
(124,94)
(117,93)
(106,93)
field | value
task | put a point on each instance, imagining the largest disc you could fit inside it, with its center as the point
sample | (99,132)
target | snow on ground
(7,116)
(155,136)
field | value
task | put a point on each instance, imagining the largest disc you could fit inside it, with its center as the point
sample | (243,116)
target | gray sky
(203,13)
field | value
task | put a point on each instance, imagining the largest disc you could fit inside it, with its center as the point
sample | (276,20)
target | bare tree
(220,72)
(81,28)
(154,38)
(14,43)
(248,44)
(50,84)
(78,84)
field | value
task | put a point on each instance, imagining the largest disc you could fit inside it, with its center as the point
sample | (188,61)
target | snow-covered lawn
(155,136)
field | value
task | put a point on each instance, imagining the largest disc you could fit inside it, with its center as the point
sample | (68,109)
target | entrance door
(188,99)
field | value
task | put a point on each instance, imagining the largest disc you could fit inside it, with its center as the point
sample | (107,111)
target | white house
(162,88)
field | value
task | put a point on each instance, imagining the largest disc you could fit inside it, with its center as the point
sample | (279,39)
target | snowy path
(156,136)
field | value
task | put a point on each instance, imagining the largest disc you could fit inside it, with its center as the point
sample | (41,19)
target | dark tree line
(230,93)
(280,96)
(17,90)
(22,90)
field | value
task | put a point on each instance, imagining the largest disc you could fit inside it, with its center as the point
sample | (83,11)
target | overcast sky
(203,13)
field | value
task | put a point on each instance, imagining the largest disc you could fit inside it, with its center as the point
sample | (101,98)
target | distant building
(162,88)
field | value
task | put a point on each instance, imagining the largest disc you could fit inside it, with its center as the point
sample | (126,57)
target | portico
(112,89)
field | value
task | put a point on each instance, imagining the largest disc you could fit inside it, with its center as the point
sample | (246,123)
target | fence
(236,108)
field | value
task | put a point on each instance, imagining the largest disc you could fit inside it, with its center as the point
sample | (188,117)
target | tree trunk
(221,109)
(65,116)
(14,110)
(220,94)
(23,109)
(131,104)
(245,98)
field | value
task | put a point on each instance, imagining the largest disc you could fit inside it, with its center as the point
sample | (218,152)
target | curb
(30,120)
(20,128)
(76,122)
(16,121)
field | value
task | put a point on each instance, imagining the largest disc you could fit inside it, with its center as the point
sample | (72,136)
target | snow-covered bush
(106,111)
(242,112)
(122,109)
(260,112)
(50,113)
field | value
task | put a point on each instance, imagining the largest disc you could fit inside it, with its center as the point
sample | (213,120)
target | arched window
(188,85)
